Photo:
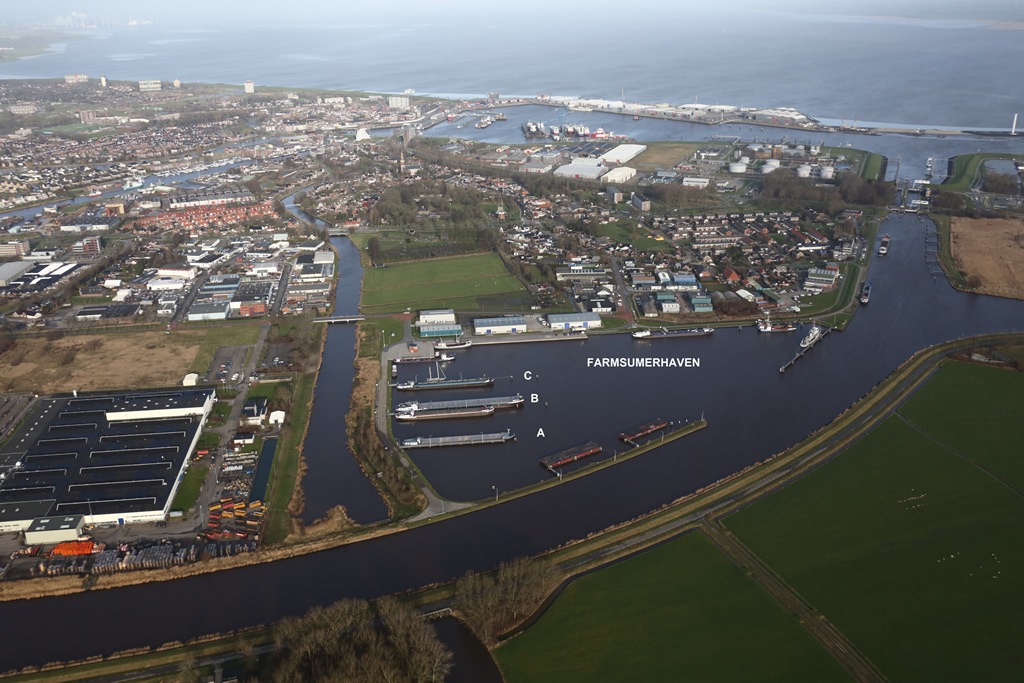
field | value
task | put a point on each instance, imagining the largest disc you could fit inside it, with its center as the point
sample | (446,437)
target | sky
(200,13)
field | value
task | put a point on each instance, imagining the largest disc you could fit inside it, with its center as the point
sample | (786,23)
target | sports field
(679,612)
(909,541)
(479,281)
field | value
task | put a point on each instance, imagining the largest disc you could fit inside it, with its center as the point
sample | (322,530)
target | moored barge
(643,430)
(569,455)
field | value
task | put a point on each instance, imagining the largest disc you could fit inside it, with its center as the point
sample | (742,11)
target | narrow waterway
(332,476)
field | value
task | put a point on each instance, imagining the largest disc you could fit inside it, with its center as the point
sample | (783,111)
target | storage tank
(737,167)
(803,171)
(828,172)
(744,160)
(772,163)
(766,169)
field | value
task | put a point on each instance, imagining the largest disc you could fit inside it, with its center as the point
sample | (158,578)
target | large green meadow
(909,541)
(679,612)
(479,281)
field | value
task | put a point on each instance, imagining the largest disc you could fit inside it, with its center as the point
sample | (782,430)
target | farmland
(681,611)
(908,541)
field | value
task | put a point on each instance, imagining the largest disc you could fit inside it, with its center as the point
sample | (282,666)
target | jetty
(800,354)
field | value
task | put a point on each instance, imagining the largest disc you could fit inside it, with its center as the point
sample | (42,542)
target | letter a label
(540,433)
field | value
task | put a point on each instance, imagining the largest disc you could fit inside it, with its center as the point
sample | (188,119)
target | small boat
(134,183)
(766,325)
(812,337)
(458,343)
(865,292)
(883,248)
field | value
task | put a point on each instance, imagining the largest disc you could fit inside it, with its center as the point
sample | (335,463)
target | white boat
(766,325)
(812,337)
(459,343)
(134,183)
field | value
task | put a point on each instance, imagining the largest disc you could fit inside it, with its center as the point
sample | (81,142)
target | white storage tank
(766,169)
(773,163)
(828,172)
(803,171)
(737,167)
(744,160)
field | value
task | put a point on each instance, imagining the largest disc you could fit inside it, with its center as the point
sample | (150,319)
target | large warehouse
(574,321)
(111,457)
(511,324)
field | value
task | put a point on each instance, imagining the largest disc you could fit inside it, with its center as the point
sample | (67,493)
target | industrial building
(574,321)
(621,174)
(580,171)
(443,316)
(109,457)
(511,324)
(12,271)
(622,153)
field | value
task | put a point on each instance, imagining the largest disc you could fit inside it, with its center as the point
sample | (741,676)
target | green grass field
(188,491)
(679,612)
(912,551)
(462,282)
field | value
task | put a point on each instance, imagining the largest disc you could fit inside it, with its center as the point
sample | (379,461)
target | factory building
(574,321)
(443,316)
(512,324)
(107,457)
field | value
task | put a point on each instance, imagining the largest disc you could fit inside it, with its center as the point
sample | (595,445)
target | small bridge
(330,319)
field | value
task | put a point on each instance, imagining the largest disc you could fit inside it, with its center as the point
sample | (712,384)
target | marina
(458,440)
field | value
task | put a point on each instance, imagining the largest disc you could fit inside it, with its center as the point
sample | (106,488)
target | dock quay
(527,339)
(569,455)
(630,435)
(492,401)
(460,440)
(801,352)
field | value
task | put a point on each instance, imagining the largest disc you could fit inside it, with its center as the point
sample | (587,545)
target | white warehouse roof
(623,153)
(578,171)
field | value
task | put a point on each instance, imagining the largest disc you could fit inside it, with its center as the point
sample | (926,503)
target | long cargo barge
(444,413)
(643,430)
(460,440)
(493,401)
(570,455)
(436,358)
(665,333)
(444,383)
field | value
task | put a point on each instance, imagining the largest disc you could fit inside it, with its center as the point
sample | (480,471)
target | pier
(800,354)
(460,440)
(492,401)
